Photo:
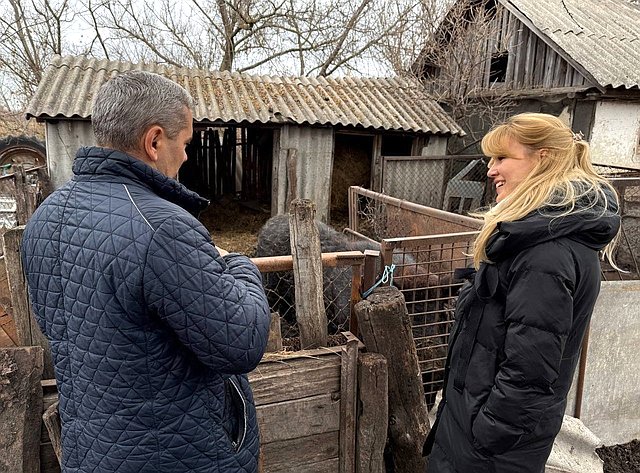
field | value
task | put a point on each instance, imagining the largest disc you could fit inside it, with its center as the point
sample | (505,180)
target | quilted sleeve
(539,315)
(216,307)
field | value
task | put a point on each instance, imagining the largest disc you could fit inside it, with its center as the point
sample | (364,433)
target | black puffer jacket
(516,341)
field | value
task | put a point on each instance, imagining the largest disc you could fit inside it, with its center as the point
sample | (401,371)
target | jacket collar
(94,163)
(594,226)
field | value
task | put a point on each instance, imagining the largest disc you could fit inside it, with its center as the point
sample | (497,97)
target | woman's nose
(492,171)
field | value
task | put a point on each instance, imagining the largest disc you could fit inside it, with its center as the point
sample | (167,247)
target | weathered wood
(48,460)
(326,466)
(296,379)
(20,409)
(301,452)
(356,288)
(307,274)
(386,329)
(299,418)
(21,195)
(274,343)
(292,176)
(51,420)
(348,399)
(27,329)
(373,413)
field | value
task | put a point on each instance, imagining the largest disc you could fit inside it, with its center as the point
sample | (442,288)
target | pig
(273,240)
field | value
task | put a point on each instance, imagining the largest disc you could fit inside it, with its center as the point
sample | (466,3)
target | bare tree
(455,65)
(303,37)
(30,33)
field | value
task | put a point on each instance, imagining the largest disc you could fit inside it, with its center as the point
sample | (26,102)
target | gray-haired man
(151,329)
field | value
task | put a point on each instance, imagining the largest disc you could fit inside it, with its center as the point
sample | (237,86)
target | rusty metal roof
(69,84)
(602,36)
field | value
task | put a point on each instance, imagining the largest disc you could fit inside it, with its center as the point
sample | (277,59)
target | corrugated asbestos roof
(70,83)
(603,36)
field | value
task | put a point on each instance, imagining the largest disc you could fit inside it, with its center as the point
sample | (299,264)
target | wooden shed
(578,59)
(261,138)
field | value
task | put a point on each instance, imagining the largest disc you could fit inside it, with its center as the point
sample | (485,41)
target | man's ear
(151,138)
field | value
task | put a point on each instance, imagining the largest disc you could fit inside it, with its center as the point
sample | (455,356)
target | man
(150,328)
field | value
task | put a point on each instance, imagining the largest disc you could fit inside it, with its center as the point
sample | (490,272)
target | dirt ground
(234,225)
(621,458)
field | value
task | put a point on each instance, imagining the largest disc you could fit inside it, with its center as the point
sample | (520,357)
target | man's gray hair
(127,105)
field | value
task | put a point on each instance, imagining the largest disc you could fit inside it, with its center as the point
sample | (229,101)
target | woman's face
(508,171)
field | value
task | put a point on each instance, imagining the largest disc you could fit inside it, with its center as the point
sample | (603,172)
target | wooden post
(386,329)
(27,329)
(292,176)
(22,199)
(307,274)
(20,409)
(348,396)
(274,343)
(373,413)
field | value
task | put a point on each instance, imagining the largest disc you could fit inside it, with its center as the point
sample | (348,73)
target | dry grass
(234,225)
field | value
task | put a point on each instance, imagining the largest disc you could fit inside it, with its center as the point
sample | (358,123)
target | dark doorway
(352,156)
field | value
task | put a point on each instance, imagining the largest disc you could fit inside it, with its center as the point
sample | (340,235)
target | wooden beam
(307,274)
(371,436)
(348,406)
(27,329)
(21,409)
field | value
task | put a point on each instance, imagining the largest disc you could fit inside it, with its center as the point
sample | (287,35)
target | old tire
(25,150)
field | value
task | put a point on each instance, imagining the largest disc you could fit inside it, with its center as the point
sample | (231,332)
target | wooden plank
(27,330)
(51,420)
(307,274)
(373,414)
(295,379)
(8,336)
(299,418)
(538,69)
(274,342)
(530,55)
(348,400)
(21,414)
(550,68)
(327,466)
(301,452)
(292,175)
(48,460)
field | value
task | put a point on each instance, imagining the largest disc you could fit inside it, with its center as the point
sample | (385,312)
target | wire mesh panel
(380,216)
(424,268)
(341,289)
(452,183)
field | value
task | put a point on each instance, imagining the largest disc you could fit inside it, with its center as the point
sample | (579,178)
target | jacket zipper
(237,445)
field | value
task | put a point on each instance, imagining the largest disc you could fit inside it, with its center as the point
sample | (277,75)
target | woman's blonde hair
(565,160)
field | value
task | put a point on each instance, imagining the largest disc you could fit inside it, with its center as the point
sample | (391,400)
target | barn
(578,59)
(263,139)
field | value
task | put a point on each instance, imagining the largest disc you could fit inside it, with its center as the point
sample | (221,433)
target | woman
(520,321)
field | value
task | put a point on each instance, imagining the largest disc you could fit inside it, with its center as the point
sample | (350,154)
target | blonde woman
(521,318)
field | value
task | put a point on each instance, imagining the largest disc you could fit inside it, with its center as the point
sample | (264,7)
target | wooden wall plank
(327,466)
(299,418)
(301,452)
(300,378)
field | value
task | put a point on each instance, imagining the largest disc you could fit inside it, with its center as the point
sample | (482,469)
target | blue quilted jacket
(150,329)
